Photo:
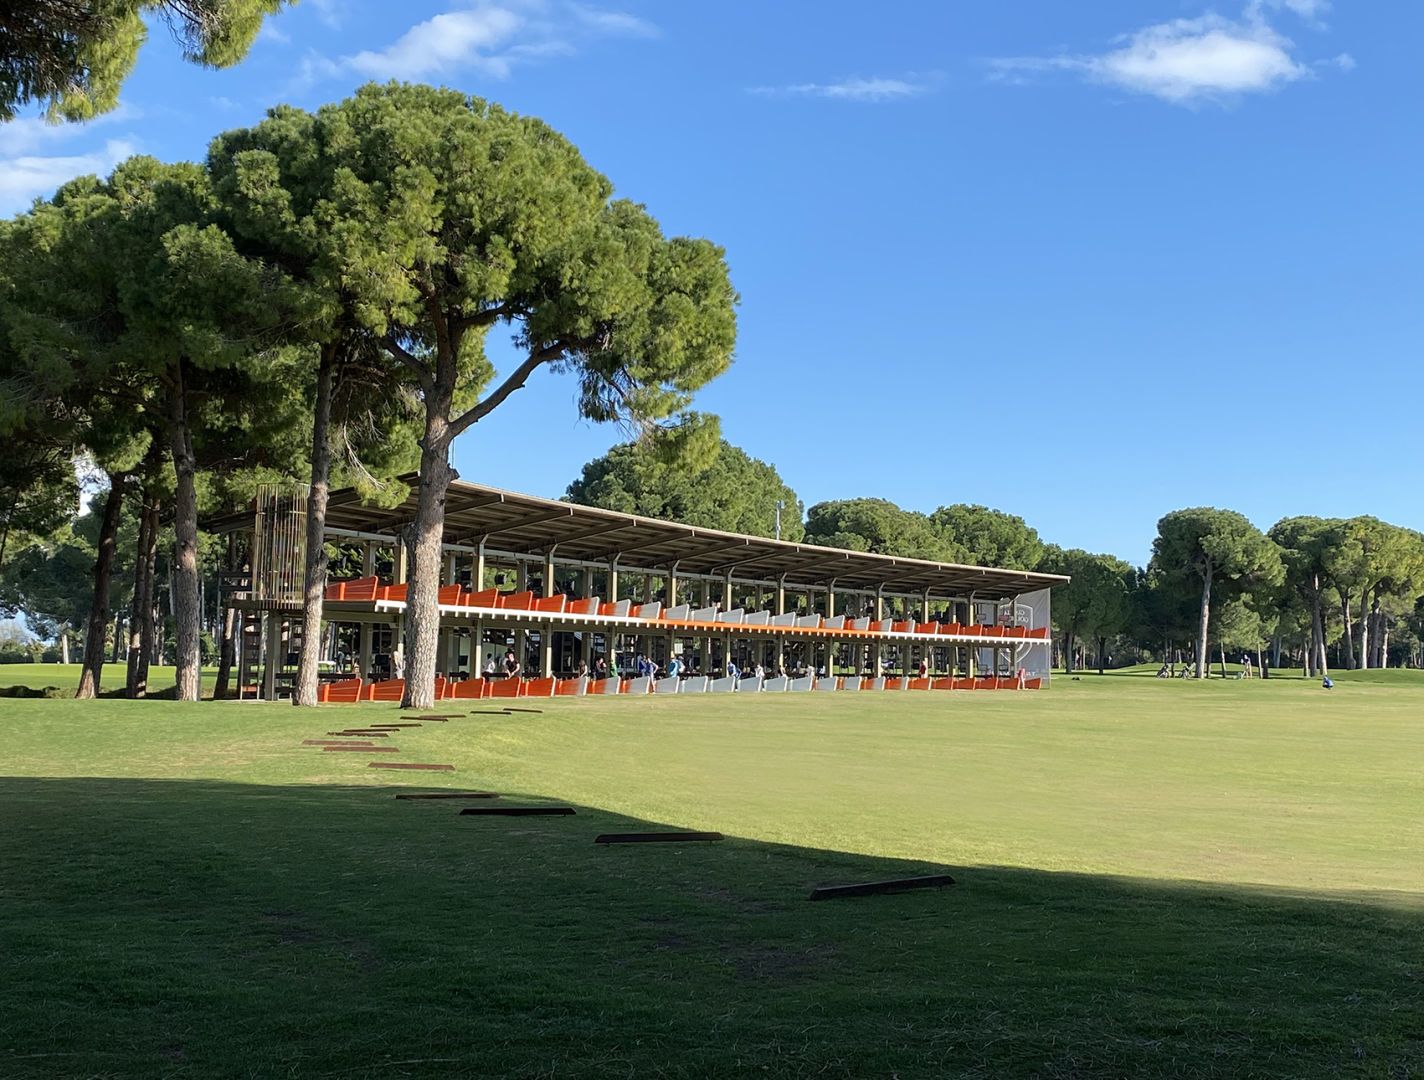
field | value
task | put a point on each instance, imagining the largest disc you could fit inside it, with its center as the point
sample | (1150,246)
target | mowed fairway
(1154,878)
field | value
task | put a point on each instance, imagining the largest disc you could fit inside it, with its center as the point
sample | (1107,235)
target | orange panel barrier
(539,688)
(623,685)
(391,592)
(550,603)
(566,688)
(448,594)
(597,686)
(1017,632)
(1038,632)
(355,589)
(927,628)
(606,609)
(992,631)
(487,598)
(985,684)
(1003,683)
(867,683)
(505,688)
(518,601)
(584,607)
(1033,684)
(390,690)
(343,692)
(468,689)
(905,627)
(963,684)
(892,682)
(942,684)
(950,628)
(919,684)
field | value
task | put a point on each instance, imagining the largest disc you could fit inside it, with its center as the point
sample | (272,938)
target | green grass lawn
(1155,879)
(65,677)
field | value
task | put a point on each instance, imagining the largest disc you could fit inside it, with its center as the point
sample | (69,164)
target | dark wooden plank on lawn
(411,765)
(333,742)
(515,708)
(365,749)
(872,888)
(448,795)
(654,837)
(518,811)
(362,733)
(490,712)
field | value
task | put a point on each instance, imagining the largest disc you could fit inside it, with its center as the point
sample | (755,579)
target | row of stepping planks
(363,741)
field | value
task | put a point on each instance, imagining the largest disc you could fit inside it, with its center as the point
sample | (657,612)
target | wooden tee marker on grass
(411,765)
(873,888)
(333,742)
(517,811)
(655,837)
(364,749)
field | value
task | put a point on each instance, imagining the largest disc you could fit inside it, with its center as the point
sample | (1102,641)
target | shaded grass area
(64,678)
(183,889)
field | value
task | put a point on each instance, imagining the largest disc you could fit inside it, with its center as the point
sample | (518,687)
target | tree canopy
(74,55)
(731,491)
(985,537)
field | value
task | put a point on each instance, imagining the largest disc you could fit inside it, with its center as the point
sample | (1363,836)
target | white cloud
(854,89)
(456,39)
(613,23)
(272,34)
(1190,60)
(26,178)
(489,37)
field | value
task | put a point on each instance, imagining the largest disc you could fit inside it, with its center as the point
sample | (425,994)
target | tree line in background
(1312,592)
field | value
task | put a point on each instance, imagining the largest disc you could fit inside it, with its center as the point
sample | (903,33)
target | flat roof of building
(528,525)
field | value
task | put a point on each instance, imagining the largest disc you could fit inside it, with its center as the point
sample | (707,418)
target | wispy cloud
(877,89)
(28,177)
(456,39)
(1186,61)
(36,157)
(490,38)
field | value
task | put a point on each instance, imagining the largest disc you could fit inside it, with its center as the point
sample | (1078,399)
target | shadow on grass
(216,929)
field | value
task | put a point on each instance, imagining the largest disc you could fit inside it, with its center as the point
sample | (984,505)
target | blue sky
(1085,262)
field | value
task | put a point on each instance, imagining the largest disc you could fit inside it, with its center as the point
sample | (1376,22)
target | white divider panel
(748,686)
(827,682)
(639,685)
(723,686)
(697,684)
(861,624)
(812,621)
(582,687)
(670,685)
(852,682)
(679,613)
(757,618)
(788,619)
(610,685)
(649,611)
(877,683)
(704,614)
(776,685)
(837,623)
(732,618)
(622,608)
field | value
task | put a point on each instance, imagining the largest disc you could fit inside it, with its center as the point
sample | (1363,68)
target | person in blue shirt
(1327,683)
(733,672)
(675,668)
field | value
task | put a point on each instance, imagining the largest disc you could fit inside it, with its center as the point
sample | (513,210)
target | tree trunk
(1068,653)
(314,581)
(1221,649)
(64,646)
(1202,657)
(184,569)
(1102,648)
(226,654)
(103,575)
(423,539)
(1317,618)
(1348,638)
(141,608)
(1364,656)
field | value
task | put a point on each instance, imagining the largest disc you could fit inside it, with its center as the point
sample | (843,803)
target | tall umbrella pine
(1220,551)
(273,188)
(450,216)
(197,327)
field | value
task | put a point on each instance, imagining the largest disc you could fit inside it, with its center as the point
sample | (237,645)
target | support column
(780,610)
(546,650)
(586,636)
(274,648)
(877,650)
(364,643)
(609,638)
(521,640)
